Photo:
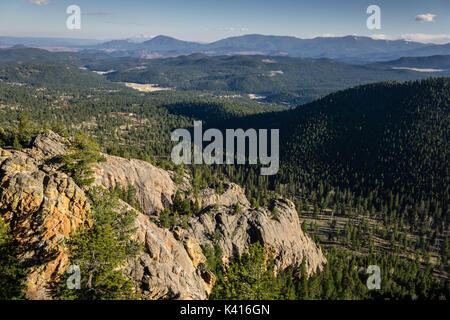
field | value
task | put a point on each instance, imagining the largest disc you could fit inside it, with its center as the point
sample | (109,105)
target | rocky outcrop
(43,207)
(166,270)
(49,145)
(231,195)
(280,234)
(154,187)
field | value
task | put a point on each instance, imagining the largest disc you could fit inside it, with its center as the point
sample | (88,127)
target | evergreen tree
(250,277)
(101,249)
(78,162)
(12,274)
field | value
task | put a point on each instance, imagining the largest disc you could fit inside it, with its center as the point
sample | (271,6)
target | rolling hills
(279,79)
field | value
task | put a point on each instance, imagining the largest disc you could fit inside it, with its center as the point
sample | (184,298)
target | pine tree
(101,249)
(78,162)
(302,288)
(12,274)
(250,277)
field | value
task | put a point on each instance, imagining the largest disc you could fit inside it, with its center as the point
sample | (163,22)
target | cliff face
(154,186)
(281,234)
(166,270)
(44,206)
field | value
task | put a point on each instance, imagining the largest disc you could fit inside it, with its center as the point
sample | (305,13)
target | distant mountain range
(353,49)
(349,48)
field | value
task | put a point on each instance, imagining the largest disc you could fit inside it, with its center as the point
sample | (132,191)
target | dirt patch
(145,87)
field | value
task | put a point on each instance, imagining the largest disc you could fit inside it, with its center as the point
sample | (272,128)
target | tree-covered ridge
(438,62)
(396,132)
(393,133)
(304,78)
(21,55)
(60,76)
(276,79)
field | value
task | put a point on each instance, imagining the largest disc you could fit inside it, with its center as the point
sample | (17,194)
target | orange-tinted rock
(42,211)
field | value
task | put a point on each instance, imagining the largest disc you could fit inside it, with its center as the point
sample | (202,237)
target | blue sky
(209,20)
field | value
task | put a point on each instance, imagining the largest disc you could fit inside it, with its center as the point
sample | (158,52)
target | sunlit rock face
(43,207)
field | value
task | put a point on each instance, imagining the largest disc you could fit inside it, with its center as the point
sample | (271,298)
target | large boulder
(154,187)
(281,234)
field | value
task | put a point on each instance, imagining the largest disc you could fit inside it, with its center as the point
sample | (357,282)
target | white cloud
(145,36)
(427,38)
(322,35)
(416,37)
(38,2)
(426,17)
(381,37)
(328,35)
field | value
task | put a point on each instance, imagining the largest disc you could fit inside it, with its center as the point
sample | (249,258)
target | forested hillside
(271,79)
(367,167)
(125,121)
(19,55)
(393,133)
(59,76)
(439,62)
(280,79)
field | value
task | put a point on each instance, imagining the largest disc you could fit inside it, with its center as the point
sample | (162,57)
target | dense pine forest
(367,167)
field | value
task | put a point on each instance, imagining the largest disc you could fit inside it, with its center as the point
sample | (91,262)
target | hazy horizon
(208,21)
(139,40)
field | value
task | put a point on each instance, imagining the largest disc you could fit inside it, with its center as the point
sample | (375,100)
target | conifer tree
(100,250)
(12,274)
